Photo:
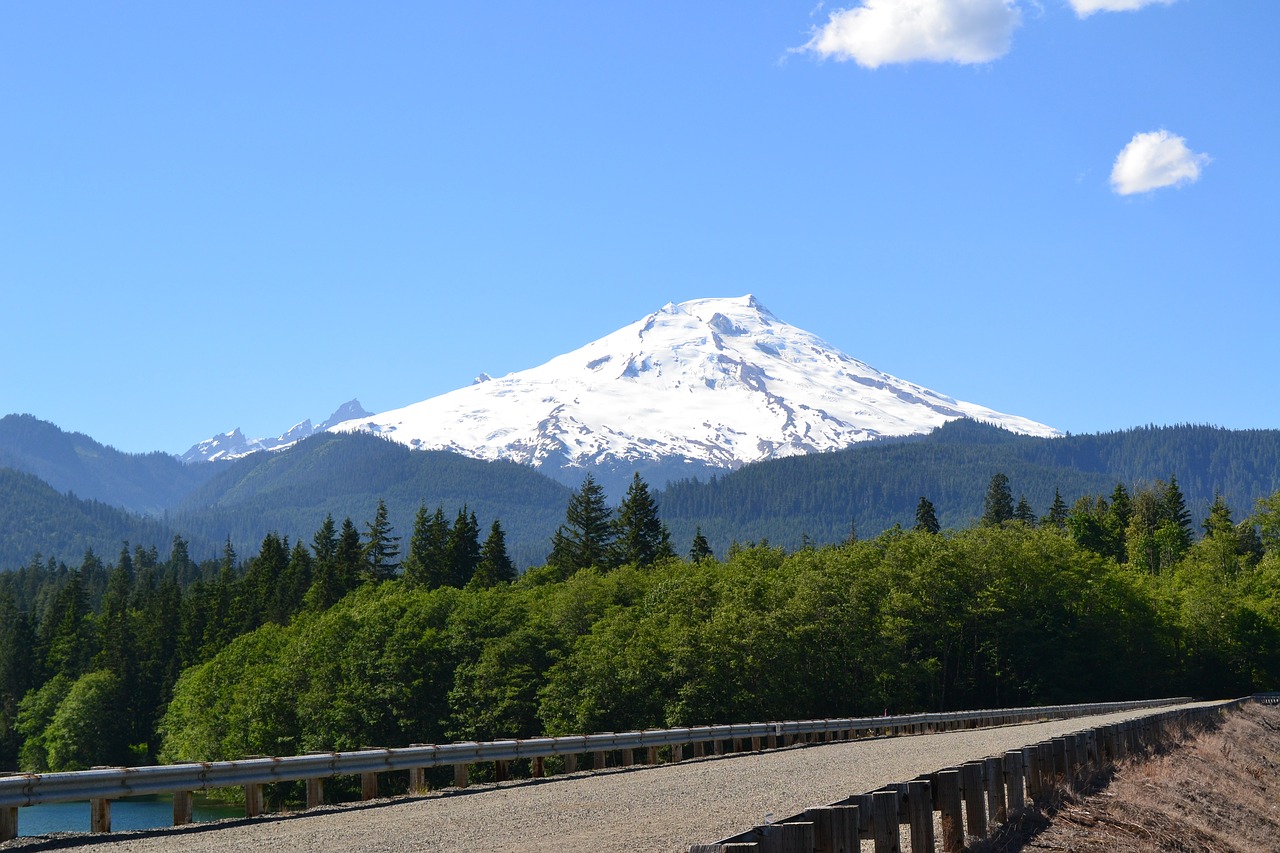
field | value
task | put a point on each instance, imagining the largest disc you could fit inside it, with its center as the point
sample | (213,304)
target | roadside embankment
(1209,791)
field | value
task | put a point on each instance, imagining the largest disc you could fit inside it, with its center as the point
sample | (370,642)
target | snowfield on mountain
(722,382)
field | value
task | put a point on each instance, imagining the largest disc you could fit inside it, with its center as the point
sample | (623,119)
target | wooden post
(252,800)
(920,816)
(795,837)
(993,769)
(699,749)
(1013,780)
(100,815)
(8,823)
(571,763)
(866,808)
(835,828)
(315,792)
(884,822)
(1031,769)
(755,743)
(599,759)
(368,786)
(501,771)
(773,741)
(460,776)
(1061,762)
(539,767)
(951,805)
(653,755)
(183,805)
(975,807)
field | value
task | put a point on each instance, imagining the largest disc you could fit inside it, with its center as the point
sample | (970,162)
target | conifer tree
(926,516)
(325,589)
(1023,512)
(1057,517)
(1175,518)
(640,537)
(349,558)
(464,548)
(586,537)
(1218,522)
(495,564)
(997,507)
(381,548)
(700,549)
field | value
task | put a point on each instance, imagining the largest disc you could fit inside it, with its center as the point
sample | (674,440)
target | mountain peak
(715,382)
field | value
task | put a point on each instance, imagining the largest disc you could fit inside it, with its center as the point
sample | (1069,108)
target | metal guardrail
(1266,698)
(105,784)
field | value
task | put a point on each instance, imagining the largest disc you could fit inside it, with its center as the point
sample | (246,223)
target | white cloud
(886,31)
(1085,8)
(1154,160)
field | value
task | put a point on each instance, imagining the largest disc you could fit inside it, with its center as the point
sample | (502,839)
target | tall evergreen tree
(926,516)
(586,537)
(640,537)
(1218,522)
(495,564)
(464,548)
(348,559)
(997,507)
(381,547)
(326,588)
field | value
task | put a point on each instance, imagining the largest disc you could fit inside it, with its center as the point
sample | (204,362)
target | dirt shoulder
(1216,790)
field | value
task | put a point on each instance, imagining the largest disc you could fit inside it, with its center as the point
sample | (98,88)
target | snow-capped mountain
(233,445)
(712,382)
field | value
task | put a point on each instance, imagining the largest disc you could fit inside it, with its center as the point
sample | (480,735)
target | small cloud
(1085,8)
(1154,160)
(881,32)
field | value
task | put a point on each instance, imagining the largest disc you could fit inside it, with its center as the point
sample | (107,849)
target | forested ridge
(363,634)
(818,498)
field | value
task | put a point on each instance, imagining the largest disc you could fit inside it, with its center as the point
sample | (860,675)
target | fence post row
(973,799)
(102,785)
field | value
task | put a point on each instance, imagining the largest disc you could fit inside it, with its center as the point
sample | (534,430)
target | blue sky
(244,214)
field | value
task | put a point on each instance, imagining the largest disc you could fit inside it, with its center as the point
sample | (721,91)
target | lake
(133,813)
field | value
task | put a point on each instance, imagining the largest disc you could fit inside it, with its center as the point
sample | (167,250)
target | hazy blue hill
(878,485)
(35,518)
(72,462)
(345,475)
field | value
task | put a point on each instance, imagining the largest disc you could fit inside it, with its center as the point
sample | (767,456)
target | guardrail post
(571,763)
(920,816)
(8,823)
(1061,765)
(539,767)
(835,828)
(975,807)
(183,806)
(994,770)
(599,759)
(99,816)
(315,792)
(252,800)
(1013,780)
(951,805)
(884,822)
(460,776)
(699,749)
(652,755)
(368,786)
(796,837)
(501,771)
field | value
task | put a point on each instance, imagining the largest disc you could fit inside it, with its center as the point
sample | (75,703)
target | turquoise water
(133,813)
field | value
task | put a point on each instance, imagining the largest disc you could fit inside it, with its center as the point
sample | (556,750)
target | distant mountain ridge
(234,444)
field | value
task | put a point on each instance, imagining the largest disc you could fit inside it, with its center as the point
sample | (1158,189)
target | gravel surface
(663,808)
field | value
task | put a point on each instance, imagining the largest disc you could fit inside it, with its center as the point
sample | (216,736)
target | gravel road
(663,808)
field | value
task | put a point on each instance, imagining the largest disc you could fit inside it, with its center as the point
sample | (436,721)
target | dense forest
(361,635)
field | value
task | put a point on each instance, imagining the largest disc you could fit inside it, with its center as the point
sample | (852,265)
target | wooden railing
(101,786)
(972,800)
